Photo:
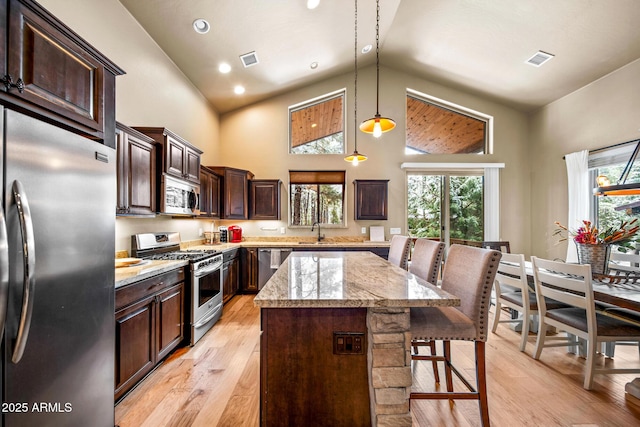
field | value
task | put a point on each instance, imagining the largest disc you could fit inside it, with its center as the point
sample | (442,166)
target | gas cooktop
(186,255)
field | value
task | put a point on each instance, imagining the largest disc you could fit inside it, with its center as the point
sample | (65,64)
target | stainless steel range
(205,290)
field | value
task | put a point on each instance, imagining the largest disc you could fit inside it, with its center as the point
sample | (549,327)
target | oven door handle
(207,270)
(206,320)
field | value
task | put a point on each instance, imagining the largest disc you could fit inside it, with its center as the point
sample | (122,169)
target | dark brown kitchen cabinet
(136,172)
(264,199)
(234,198)
(371,199)
(230,274)
(249,270)
(149,317)
(209,193)
(179,158)
(54,74)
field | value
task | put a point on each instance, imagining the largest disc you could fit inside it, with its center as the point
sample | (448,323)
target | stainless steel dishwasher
(269,259)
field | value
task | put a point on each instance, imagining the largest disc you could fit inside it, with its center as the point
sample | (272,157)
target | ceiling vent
(249,59)
(539,58)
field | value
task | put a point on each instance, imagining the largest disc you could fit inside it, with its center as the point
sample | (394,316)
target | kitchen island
(335,346)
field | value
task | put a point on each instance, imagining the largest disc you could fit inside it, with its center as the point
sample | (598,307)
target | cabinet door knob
(7,80)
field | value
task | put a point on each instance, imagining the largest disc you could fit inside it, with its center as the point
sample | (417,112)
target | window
(611,211)
(454,202)
(317,126)
(316,196)
(435,126)
(446,206)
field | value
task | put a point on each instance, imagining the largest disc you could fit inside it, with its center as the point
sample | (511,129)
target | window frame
(459,109)
(318,181)
(315,101)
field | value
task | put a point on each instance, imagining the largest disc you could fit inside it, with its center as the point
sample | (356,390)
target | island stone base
(389,366)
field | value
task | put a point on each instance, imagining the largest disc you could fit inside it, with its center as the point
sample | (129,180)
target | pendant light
(356,157)
(621,188)
(377,125)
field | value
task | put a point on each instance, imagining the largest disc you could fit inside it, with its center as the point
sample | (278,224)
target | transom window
(317,126)
(435,126)
(316,197)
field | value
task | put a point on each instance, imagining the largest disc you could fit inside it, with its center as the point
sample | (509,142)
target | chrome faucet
(313,226)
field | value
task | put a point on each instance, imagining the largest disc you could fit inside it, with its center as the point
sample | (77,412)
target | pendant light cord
(355,83)
(377,56)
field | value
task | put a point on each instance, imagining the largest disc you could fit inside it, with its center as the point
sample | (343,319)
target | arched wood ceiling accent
(435,130)
(317,121)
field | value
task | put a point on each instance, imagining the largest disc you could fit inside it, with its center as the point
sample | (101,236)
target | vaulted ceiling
(479,46)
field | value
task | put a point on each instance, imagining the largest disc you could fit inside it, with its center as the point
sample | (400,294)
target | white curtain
(579,195)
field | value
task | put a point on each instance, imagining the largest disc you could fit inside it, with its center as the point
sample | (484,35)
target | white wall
(154,92)
(255,138)
(602,113)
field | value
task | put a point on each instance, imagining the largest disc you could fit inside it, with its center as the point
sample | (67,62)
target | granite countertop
(148,268)
(291,244)
(347,279)
(127,275)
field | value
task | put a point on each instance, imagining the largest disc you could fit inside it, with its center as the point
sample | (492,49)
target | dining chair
(426,260)
(469,273)
(399,251)
(571,284)
(498,246)
(512,291)
(622,263)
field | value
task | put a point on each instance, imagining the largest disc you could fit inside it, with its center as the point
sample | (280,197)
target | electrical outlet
(282,230)
(200,232)
(348,343)
(394,230)
(363,230)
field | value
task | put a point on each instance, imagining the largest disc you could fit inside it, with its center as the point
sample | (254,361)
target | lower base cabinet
(230,274)
(149,325)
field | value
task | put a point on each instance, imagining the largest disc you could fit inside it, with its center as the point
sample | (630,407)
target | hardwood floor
(216,383)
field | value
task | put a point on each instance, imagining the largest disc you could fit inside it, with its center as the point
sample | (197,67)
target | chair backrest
(498,246)
(624,262)
(512,273)
(426,259)
(399,251)
(469,274)
(567,283)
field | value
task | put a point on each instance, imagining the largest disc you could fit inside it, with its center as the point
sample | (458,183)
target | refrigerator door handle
(4,272)
(29,260)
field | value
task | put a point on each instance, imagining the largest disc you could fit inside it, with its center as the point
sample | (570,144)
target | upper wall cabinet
(53,74)
(234,192)
(371,199)
(209,193)
(179,158)
(136,172)
(264,199)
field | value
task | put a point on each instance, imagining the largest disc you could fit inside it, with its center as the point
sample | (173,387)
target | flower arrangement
(588,234)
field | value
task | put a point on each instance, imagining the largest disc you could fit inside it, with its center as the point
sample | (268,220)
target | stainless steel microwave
(179,197)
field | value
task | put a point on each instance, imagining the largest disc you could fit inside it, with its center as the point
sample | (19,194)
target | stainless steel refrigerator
(57,272)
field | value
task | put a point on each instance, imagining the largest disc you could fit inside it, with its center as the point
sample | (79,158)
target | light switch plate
(394,230)
(282,230)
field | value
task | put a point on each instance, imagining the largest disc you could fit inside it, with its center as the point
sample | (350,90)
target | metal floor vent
(539,58)
(249,59)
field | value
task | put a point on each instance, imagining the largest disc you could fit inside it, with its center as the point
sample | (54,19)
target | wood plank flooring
(216,383)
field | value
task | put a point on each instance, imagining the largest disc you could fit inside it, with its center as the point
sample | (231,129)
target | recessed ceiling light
(367,48)
(238,90)
(313,65)
(314,125)
(224,68)
(201,26)
(539,58)
(312,4)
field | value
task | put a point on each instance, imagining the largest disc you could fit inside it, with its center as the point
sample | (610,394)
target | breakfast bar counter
(335,343)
